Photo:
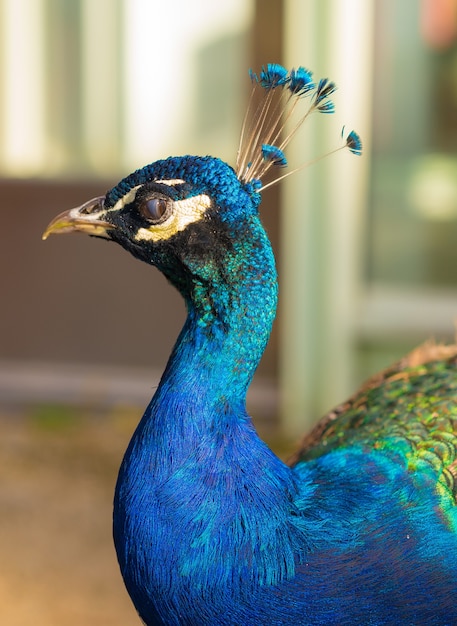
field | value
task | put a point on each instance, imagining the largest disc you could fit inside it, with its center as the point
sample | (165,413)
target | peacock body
(211,527)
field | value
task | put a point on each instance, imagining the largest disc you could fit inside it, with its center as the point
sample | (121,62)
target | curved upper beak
(82,219)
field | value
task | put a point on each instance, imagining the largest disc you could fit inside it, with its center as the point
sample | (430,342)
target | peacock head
(187,214)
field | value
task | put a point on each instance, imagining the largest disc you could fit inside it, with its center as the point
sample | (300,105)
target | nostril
(92,206)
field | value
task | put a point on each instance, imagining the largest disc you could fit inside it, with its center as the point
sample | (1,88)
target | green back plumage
(409,410)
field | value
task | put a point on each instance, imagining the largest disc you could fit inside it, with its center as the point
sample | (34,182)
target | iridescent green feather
(409,411)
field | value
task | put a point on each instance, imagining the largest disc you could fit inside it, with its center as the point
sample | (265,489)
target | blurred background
(366,247)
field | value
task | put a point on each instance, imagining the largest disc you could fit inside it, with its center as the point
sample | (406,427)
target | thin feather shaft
(301,167)
(243,129)
(259,167)
(253,141)
(296,128)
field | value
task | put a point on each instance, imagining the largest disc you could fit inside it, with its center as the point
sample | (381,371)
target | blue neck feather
(196,475)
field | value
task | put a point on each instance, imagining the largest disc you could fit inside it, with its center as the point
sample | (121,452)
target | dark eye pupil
(155,208)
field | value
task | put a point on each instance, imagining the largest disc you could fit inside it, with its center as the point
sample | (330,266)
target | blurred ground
(58,565)
(58,471)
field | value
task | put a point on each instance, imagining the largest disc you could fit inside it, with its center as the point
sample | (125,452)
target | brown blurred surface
(76,299)
(58,563)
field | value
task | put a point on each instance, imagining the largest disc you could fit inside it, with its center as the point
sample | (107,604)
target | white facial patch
(120,204)
(171,182)
(184,212)
(129,197)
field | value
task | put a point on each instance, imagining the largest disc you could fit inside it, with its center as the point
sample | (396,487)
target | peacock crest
(269,126)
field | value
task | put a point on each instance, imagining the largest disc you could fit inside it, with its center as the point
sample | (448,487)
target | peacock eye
(154,209)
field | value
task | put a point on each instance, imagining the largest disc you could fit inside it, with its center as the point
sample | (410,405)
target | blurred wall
(79,299)
(84,302)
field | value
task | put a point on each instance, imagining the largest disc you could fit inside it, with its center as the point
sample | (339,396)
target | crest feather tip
(271,124)
(354,143)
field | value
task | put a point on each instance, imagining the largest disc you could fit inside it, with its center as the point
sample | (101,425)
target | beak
(82,219)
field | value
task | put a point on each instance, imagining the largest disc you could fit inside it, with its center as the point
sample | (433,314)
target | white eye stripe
(171,182)
(131,195)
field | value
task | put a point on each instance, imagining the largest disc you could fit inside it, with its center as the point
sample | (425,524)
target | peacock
(210,526)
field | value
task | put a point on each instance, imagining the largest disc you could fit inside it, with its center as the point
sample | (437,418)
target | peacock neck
(231,308)
(196,477)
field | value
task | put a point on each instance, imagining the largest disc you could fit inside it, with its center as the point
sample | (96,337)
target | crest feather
(263,137)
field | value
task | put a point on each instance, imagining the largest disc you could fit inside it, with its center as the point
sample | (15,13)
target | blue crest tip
(300,81)
(326,107)
(274,154)
(324,89)
(354,143)
(273,75)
